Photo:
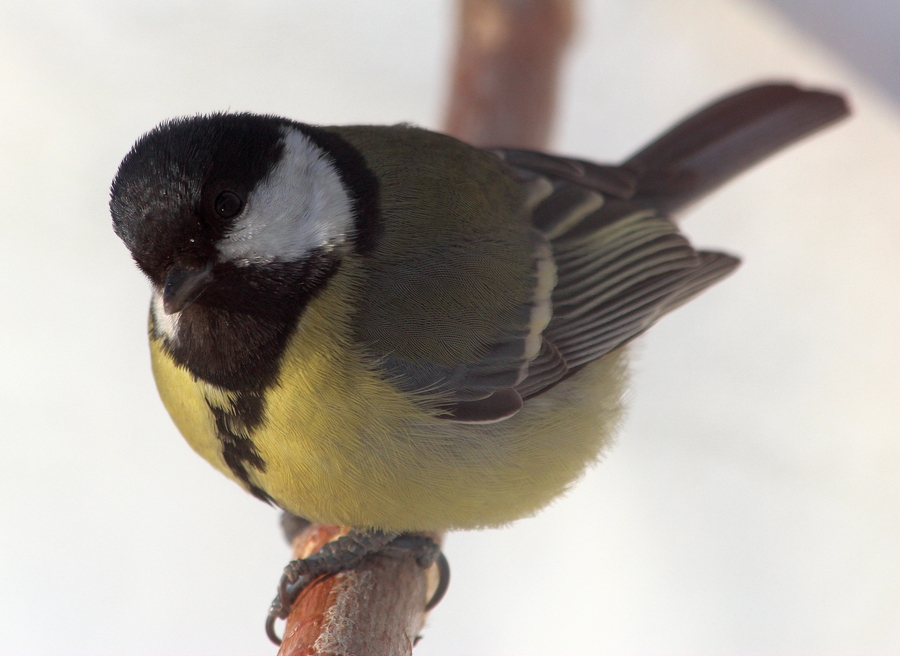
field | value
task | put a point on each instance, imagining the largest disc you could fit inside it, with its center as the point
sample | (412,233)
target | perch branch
(377,609)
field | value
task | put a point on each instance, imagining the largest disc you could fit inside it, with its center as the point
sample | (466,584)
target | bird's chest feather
(336,442)
(325,418)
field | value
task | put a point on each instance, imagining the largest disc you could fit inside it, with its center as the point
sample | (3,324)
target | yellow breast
(342,445)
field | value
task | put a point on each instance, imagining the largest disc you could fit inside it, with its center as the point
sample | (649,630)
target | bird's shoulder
(448,299)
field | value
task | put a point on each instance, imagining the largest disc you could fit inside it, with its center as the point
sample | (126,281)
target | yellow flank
(343,446)
(187,400)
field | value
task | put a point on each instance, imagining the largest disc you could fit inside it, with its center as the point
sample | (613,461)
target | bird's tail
(726,137)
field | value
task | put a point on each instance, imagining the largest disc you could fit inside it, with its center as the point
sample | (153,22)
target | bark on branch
(377,609)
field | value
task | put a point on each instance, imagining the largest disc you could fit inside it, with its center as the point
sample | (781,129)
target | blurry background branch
(503,93)
(506,72)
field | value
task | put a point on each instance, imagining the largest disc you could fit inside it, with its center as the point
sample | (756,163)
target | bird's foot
(348,552)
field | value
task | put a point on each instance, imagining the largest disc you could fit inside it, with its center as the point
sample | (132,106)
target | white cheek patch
(166,324)
(302,205)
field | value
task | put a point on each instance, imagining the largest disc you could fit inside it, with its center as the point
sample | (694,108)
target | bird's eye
(228,204)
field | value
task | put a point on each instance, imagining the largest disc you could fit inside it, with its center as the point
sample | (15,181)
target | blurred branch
(504,89)
(506,72)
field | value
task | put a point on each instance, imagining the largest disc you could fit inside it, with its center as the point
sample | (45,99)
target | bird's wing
(621,262)
(483,388)
(605,269)
(620,265)
(618,259)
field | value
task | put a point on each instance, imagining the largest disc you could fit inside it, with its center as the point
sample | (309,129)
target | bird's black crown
(177,189)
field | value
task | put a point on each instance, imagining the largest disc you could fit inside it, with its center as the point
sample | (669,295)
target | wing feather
(608,261)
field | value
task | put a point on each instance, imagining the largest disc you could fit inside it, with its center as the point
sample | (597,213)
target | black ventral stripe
(360,181)
(234,336)
(238,451)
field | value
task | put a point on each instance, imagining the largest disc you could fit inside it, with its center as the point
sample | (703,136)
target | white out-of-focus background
(752,503)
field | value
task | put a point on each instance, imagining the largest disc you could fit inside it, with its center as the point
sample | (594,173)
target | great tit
(387,328)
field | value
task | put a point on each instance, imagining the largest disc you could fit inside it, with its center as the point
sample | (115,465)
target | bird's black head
(179,190)
(240,214)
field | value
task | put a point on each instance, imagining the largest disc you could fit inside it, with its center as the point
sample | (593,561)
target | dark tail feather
(725,138)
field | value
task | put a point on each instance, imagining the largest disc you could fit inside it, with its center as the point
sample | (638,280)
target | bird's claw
(346,553)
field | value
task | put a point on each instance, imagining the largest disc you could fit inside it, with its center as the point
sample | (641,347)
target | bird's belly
(338,444)
(379,461)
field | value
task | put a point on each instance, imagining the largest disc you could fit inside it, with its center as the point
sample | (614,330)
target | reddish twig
(377,609)
(505,79)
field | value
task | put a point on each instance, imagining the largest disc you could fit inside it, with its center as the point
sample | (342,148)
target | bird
(387,328)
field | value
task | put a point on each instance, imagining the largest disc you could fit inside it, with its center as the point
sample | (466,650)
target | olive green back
(452,269)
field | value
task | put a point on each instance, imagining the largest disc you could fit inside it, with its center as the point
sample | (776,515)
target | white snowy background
(752,503)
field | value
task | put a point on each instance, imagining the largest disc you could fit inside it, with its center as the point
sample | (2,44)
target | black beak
(183,285)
